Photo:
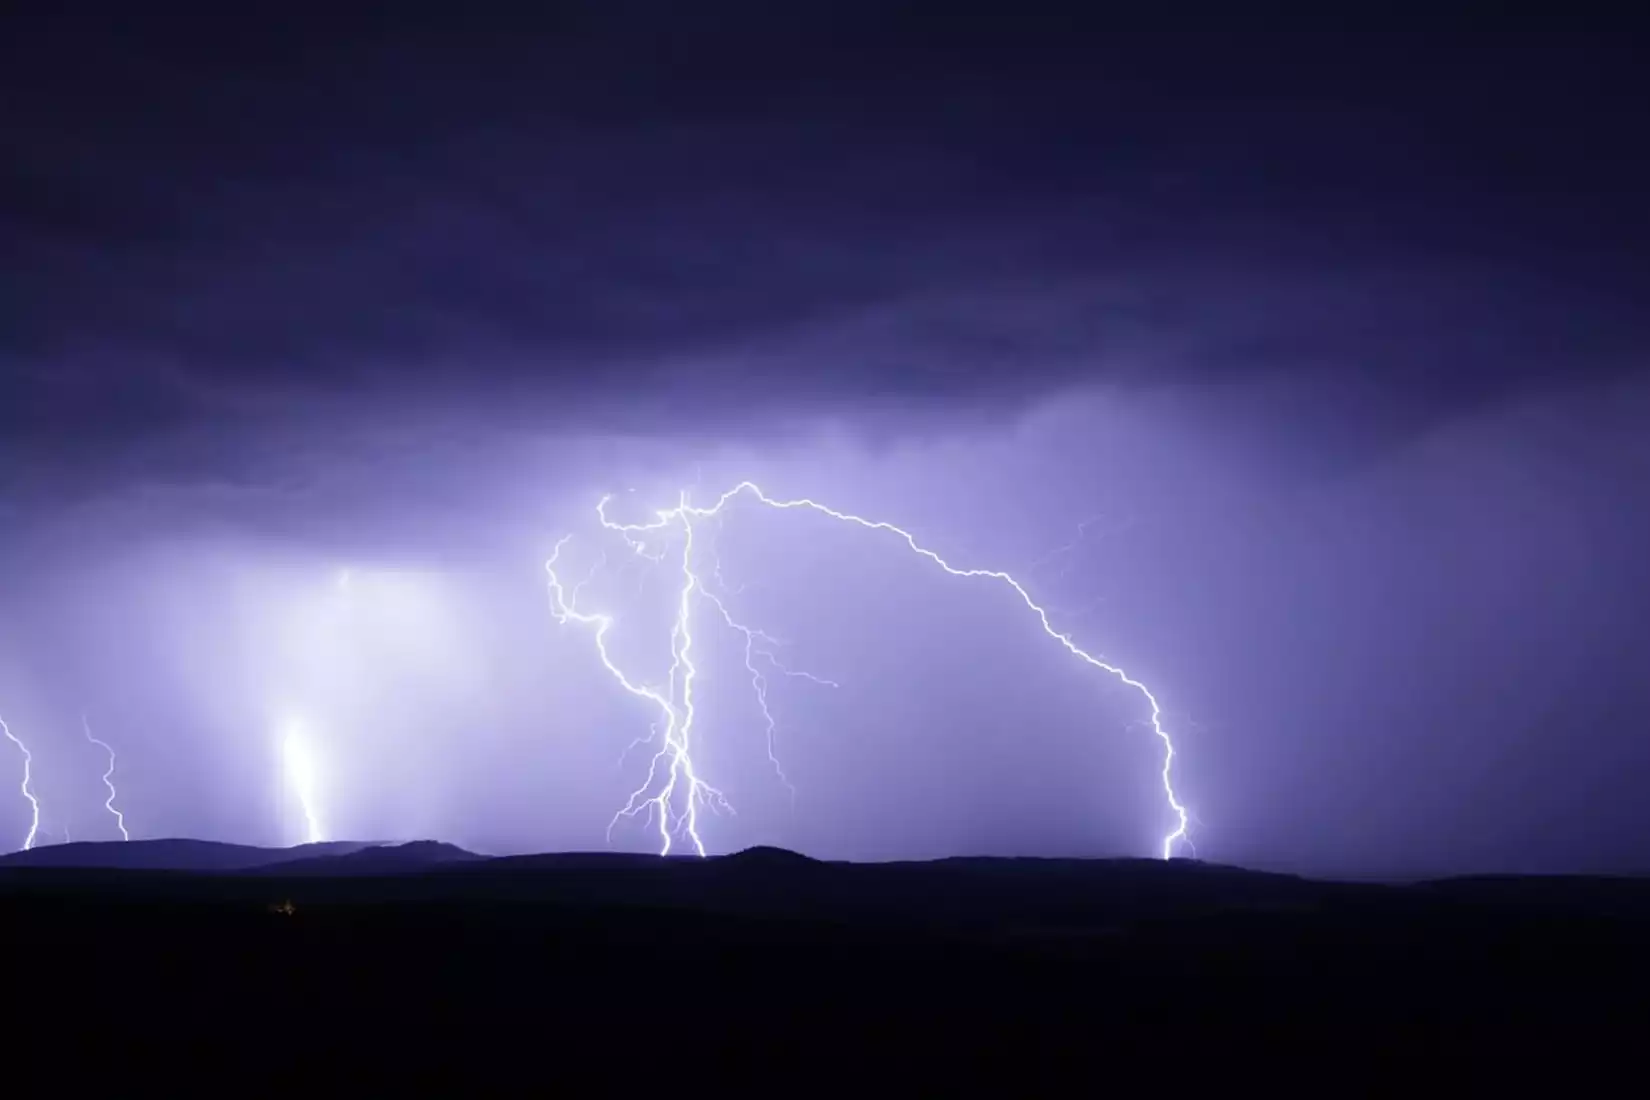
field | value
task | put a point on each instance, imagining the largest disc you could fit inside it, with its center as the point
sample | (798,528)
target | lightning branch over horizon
(28,791)
(759,646)
(108,778)
(682,792)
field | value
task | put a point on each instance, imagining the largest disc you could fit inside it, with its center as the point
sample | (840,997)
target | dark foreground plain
(350,968)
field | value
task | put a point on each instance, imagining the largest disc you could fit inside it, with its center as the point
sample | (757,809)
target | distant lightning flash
(300,770)
(683,792)
(28,792)
(108,779)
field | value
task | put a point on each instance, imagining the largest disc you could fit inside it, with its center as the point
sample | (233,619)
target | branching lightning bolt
(675,701)
(28,792)
(108,778)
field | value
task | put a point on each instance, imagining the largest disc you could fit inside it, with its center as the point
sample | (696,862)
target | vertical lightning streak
(673,756)
(108,778)
(686,513)
(28,791)
(681,760)
(300,769)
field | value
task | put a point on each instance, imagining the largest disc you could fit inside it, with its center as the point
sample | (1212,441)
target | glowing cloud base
(674,792)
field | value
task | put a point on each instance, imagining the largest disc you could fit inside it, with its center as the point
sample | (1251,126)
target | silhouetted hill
(375,859)
(952,893)
(491,969)
(178,854)
(965,895)
(765,855)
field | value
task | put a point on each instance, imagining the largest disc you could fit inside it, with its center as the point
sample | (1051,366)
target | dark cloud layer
(1337,338)
(214,224)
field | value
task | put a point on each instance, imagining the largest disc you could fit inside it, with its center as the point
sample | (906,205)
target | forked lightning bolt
(674,702)
(683,792)
(108,779)
(28,792)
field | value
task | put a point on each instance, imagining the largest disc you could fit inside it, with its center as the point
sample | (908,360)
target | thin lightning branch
(597,568)
(573,598)
(1077,540)
(722,584)
(1067,547)
(108,778)
(1064,554)
(678,718)
(759,682)
(28,792)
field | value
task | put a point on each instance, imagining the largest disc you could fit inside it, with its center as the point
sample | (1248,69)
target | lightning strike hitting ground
(108,779)
(674,702)
(300,774)
(676,805)
(28,792)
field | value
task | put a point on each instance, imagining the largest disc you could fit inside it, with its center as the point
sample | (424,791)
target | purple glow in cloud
(682,792)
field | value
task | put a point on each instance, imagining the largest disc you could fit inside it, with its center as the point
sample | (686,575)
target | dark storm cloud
(284,293)
(216,230)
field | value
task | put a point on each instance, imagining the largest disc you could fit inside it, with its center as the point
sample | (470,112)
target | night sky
(319,330)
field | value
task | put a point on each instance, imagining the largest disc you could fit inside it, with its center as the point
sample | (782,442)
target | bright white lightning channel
(108,779)
(28,791)
(300,773)
(683,792)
